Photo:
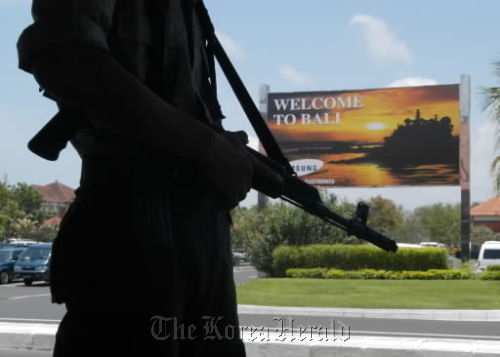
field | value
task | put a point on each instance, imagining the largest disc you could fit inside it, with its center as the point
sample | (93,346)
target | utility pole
(464,168)
(262,200)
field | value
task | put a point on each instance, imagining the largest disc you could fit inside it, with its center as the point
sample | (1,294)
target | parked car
(14,245)
(489,254)
(8,258)
(239,257)
(33,263)
(20,241)
(433,244)
(408,245)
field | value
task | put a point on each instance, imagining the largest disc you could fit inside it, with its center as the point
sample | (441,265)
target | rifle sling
(254,116)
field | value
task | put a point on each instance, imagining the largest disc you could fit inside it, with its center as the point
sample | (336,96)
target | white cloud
(383,45)
(412,82)
(231,46)
(292,74)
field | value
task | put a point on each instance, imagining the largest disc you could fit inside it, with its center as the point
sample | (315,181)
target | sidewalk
(37,338)
(375,347)
(24,336)
(407,314)
(40,337)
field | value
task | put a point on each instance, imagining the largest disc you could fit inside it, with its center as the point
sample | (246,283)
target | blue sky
(297,45)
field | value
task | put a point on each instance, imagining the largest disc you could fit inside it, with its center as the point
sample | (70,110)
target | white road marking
(298,334)
(25,296)
(12,319)
(432,335)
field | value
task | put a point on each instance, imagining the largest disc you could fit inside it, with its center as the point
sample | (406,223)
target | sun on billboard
(370,137)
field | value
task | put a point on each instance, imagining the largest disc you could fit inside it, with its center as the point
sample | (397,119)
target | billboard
(370,137)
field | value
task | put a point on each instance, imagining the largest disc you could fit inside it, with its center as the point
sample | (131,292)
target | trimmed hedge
(356,257)
(306,273)
(490,275)
(431,274)
(493,268)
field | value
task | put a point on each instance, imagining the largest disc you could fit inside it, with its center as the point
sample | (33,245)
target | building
(54,221)
(487,214)
(56,197)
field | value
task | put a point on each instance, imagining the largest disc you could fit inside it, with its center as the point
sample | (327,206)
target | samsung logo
(306,166)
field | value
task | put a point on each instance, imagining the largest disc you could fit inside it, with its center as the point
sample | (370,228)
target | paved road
(243,274)
(13,353)
(32,303)
(19,303)
(352,327)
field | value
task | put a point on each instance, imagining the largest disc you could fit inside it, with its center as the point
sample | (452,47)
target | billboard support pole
(263,200)
(464,168)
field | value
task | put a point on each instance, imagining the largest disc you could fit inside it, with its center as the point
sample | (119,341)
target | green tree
(442,222)
(47,233)
(5,195)
(23,227)
(248,225)
(9,209)
(20,213)
(411,230)
(385,215)
(28,199)
(260,231)
(480,234)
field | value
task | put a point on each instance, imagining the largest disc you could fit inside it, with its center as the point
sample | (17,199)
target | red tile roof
(52,221)
(487,208)
(56,192)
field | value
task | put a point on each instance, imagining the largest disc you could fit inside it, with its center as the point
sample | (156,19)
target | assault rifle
(296,191)
(52,138)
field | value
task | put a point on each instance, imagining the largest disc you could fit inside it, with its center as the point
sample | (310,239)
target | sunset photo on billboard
(371,137)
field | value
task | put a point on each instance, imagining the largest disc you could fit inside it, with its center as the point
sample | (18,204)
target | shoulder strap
(254,116)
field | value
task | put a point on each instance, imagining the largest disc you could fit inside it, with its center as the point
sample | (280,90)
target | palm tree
(491,103)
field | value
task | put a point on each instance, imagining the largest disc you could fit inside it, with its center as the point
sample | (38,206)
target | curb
(40,337)
(359,346)
(15,336)
(437,315)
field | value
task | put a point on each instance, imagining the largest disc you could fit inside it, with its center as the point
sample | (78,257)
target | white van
(489,254)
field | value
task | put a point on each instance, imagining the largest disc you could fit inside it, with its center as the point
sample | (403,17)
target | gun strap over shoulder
(254,116)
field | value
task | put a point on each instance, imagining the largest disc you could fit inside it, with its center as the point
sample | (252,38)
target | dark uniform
(142,259)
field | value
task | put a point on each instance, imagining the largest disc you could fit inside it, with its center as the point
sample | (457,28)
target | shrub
(306,273)
(356,257)
(335,274)
(490,275)
(450,274)
(493,268)
(261,254)
(260,231)
(372,273)
(431,274)
(352,274)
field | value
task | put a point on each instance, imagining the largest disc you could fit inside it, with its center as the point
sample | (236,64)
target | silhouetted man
(142,259)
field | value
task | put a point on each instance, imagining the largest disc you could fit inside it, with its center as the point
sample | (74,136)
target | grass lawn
(383,294)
